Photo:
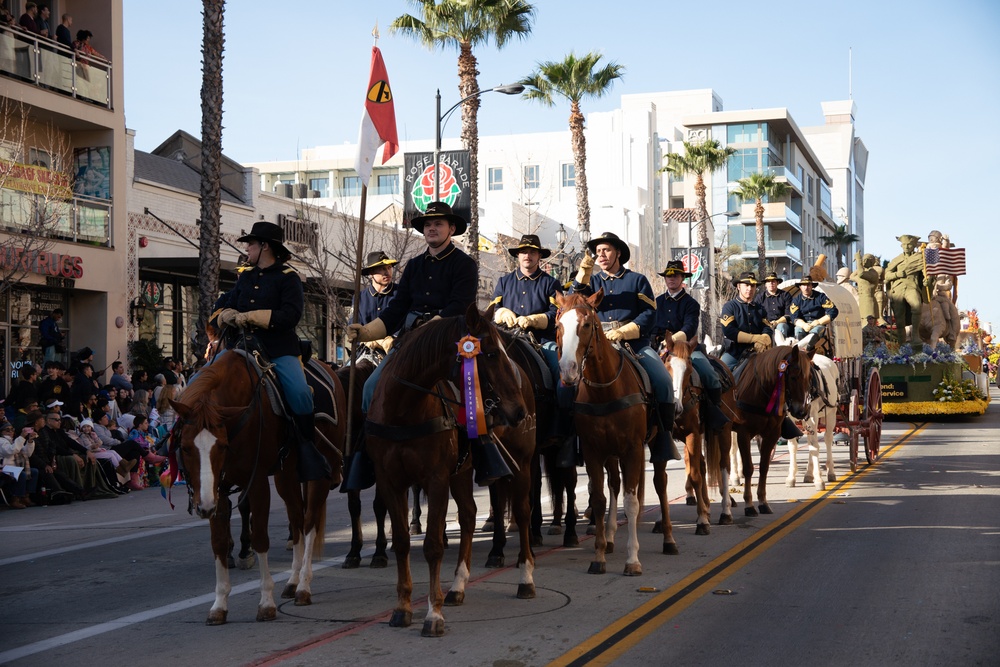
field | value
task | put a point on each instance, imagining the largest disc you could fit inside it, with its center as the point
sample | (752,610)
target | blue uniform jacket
(738,315)
(529,295)
(373,302)
(676,313)
(813,308)
(48,330)
(628,297)
(444,285)
(277,288)
(776,306)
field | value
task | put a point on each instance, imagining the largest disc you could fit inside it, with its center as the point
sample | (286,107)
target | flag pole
(356,301)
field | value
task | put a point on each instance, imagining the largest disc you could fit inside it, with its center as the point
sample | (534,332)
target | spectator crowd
(36,21)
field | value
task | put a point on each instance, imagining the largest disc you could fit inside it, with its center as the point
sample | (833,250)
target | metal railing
(49,64)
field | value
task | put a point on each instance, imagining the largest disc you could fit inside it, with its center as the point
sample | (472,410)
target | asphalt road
(896,564)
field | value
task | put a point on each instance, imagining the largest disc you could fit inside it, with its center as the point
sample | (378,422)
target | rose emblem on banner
(423,191)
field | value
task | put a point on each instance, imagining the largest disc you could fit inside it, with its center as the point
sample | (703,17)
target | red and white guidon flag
(378,124)
(949,261)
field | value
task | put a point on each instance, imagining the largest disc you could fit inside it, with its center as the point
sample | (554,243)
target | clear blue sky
(926,79)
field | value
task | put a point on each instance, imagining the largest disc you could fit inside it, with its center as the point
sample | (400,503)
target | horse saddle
(323,389)
(628,353)
(725,383)
(533,353)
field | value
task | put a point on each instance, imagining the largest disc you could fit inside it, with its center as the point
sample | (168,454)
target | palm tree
(697,159)
(464,24)
(840,239)
(213,41)
(574,79)
(756,187)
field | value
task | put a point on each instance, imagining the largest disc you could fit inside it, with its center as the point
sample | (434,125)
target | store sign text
(44,263)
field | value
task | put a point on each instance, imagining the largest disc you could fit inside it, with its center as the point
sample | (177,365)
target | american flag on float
(948,261)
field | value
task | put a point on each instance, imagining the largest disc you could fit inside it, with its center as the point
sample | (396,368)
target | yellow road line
(625,633)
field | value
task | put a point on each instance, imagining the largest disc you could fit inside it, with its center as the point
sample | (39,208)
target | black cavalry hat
(530,242)
(771,276)
(375,260)
(611,239)
(747,277)
(270,233)
(438,209)
(675,267)
(807,280)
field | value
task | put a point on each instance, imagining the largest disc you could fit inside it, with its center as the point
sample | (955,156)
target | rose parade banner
(418,183)
(696,264)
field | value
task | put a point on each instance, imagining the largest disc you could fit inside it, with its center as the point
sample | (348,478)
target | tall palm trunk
(761,252)
(213,42)
(707,317)
(579,141)
(468,84)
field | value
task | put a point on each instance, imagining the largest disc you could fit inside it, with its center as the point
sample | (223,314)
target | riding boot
(312,465)
(715,418)
(662,448)
(359,469)
(488,461)
(789,431)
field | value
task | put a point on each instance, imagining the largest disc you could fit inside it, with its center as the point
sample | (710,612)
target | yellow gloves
(374,330)
(227,317)
(680,336)
(628,331)
(505,316)
(539,321)
(586,268)
(760,342)
(383,344)
(257,318)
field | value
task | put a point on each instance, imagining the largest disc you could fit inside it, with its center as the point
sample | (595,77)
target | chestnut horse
(770,381)
(611,419)
(231,438)
(413,437)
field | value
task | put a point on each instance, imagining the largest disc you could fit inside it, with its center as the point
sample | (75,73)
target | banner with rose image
(418,183)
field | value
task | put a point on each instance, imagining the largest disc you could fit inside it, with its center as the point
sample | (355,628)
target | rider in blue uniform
(679,312)
(268,301)
(777,304)
(377,295)
(628,311)
(813,310)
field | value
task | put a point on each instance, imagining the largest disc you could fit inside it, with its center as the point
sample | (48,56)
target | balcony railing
(782,248)
(48,64)
(82,220)
(785,173)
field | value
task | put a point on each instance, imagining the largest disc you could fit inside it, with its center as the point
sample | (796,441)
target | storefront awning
(182,267)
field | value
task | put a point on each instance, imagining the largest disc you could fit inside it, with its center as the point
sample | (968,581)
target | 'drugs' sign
(418,183)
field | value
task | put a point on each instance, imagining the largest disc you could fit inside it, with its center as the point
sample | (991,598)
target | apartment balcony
(80,220)
(785,175)
(748,250)
(47,64)
(776,214)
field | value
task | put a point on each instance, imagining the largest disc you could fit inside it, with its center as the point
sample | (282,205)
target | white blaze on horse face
(204,442)
(568,367)
(678,367)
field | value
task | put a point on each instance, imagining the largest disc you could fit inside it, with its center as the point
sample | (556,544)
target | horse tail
(713,458)
(320,532)
(640,491)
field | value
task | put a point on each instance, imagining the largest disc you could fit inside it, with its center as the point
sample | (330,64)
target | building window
(810,191)
(745,133)
(531,176)
(320,185)
(568,175)
(495,177)
(743,163)
(352,186)
(387,184)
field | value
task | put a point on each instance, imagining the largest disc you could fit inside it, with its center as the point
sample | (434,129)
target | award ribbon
(475,415)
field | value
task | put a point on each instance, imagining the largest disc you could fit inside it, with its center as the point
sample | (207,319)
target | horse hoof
(670,549)
(555,530)
(831,477)
(597,568)
(571,540)
(487,527)
(303,599)
(453,599)
(266,614)
(495,561)
(790,483)
(216,617)
(691,500)
(808,479)
(536,541)
(591,530)
(525,591)
(289,545)
(351,562)
(765,508)
(609,548)
(433,628)
(657,527)
(415,529)
(379,562)
(633,570)
(230,563)
(400,619)
(246,563)
(288,592)
(749,511)
(702,529)
(732,502)
(726,520)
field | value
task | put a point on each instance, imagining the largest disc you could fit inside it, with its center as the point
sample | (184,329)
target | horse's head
(798,375)
(204,441)
(577,331)
(499,376)
(677,359)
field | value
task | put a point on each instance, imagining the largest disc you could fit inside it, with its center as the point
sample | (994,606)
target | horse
(413,437)
(612,422)
(230,437)
(769,381)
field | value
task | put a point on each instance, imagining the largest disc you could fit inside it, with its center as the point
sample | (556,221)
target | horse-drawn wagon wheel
(873,415)
(853,419)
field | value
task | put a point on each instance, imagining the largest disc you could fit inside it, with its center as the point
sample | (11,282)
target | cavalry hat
(611,239)
(807,280)
(438,209)
(270,233)
(771,276)
(908,237)
(747,278)
(675,267)
(376,260)
(530,242)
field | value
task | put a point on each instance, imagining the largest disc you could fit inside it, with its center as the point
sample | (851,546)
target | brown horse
(413,437)
(611,419)
(770,381)
(231,438)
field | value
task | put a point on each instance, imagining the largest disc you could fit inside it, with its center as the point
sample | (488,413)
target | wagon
(859,408)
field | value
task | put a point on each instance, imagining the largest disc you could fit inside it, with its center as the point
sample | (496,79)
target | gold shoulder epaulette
(288,269)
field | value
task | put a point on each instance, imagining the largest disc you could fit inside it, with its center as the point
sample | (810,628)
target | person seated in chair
(777,303)
(268,301)
(813,311)
(679,312)
(628,311)
(376,297)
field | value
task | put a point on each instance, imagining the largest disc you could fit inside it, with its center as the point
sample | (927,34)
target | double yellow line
(606,646)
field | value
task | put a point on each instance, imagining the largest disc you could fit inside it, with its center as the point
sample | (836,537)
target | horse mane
(422,347)
(755,384)
(202,394)
(573,300)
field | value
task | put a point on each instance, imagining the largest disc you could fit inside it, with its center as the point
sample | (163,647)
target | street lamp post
(727,214)
(561,237)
